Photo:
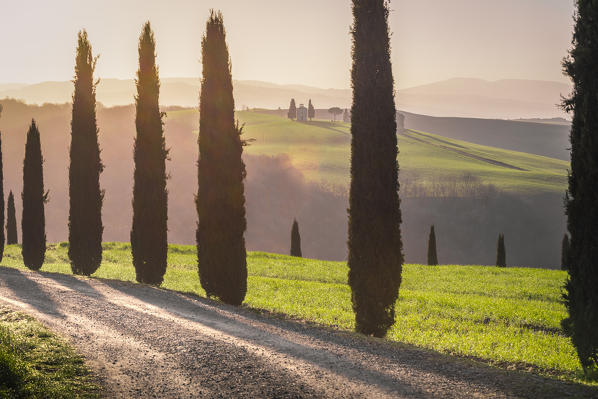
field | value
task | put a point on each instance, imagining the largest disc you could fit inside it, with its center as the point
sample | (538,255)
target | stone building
(301,113)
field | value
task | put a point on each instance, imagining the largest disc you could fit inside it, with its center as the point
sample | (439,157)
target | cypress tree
(220,200)
(311,111)
(85,212)
(149,239)
(292,114)
(581,288)
(295,240)
(501,254)
(565,252)
(11,221)
(33,221)
(375,246)
(432,256)
(2,237)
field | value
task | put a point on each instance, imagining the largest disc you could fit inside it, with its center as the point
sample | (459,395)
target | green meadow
(505,317)
(35,363)
(321,150)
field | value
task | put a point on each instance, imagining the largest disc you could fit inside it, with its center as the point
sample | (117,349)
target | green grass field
(507,317)
(321,150)
(35,363)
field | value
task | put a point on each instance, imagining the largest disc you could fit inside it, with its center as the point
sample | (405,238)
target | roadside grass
(35,363)
(506,317)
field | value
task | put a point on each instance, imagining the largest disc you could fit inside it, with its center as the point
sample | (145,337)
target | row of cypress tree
(375,245)
(220,200)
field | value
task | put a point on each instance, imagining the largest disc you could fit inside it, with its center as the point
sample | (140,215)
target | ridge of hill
(460,97)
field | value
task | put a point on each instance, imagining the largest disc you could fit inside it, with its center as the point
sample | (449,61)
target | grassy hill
(321,149)
(547,137)
(506,317)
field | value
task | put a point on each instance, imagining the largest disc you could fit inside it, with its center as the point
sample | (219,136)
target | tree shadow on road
(28,291)
(244,324)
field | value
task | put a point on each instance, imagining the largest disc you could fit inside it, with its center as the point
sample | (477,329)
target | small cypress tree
(220,200)
(295,240)
(11,221)
(581,289)
(149,237)
(292,114)
(85,212)
(501,253)
(432,256)
(311,111)
(565,252)
(33,221)
(375,245)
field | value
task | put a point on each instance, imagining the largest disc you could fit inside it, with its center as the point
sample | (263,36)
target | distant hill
(477,98)
(549,138)
(504,99)
(182,92)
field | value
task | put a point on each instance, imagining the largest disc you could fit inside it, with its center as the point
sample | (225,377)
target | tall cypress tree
(501,253)
(85,213)
(375,246)
(565,252)
(295,240)
(149,239)
(292,114)
(2,237)
(581,297)
(432,255)
(11,221)
(220,201)
(311,111)
(33,221)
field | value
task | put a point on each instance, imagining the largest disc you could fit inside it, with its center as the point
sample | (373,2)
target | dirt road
(144,342)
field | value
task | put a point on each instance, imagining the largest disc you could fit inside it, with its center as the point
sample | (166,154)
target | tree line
(375,244)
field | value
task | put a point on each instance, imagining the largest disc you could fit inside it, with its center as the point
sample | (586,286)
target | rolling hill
(547,137)
(321,150)
(300,170)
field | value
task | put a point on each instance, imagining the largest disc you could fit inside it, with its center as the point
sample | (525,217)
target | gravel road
(144,342)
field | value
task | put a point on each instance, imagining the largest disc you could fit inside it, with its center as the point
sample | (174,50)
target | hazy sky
(284,41)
